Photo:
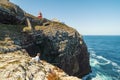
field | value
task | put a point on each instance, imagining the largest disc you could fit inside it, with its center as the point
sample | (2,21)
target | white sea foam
(96,61)
(101,77)
(116,67)
(118,71)
(105,61)
(97,76)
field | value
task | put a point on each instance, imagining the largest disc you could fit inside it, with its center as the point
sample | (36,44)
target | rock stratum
(58,44)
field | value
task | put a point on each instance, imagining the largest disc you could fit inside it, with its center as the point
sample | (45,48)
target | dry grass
(58,69)
(55,26)
(53,76)
(8,6)
(38,27)
(31,16)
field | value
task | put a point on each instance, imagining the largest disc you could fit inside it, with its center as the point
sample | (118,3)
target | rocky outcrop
(13,14)
(58,43)
(19,66)
(10,13)
(62,46)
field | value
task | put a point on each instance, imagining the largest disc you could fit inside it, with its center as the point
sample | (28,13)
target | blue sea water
(104,57)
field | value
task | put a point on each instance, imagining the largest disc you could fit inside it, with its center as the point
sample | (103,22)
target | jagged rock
(64,47)
(58,43)
(13,14)
(16,66)
(10,13)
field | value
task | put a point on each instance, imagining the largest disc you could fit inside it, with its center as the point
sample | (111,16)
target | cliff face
(58,44)
(13,14)
(18,66)
(10,13)
(62,46)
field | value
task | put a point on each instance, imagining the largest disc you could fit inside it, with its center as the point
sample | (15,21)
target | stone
(13,14)
(15,68)
(58,43)
(63,50)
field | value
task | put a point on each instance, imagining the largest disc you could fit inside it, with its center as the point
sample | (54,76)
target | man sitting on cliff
(37,58)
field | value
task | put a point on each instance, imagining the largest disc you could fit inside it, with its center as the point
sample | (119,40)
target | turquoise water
(104,57)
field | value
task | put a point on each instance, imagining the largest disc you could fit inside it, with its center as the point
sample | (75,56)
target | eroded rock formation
(13,14)
(62,46)
(16,66)
(58,43)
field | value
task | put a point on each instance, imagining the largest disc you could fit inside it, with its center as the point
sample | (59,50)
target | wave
(103,68)
(97,76)
(101,60)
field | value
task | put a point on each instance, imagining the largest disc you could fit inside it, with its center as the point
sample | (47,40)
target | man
(37,58)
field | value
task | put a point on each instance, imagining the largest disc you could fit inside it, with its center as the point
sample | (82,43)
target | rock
(20,67)
(62,46)
(10,13)
(58,43)
(13,14)
(55,45)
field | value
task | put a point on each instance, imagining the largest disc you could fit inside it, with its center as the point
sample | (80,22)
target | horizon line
(101,34)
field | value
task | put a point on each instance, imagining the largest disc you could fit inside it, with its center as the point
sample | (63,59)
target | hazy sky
(89,17)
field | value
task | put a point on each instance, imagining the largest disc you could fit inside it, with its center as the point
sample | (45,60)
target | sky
(89,17)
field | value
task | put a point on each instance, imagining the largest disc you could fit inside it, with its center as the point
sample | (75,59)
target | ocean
(104,57)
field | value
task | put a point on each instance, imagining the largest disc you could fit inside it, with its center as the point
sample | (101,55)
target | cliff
(16,66)
(13,14)
(58,43)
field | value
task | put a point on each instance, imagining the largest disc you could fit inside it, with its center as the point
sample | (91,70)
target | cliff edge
(58,43)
